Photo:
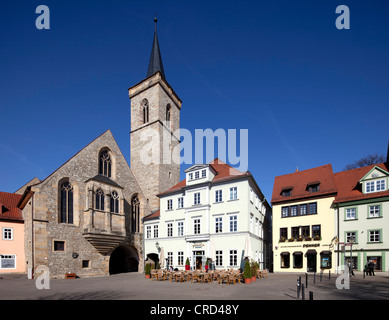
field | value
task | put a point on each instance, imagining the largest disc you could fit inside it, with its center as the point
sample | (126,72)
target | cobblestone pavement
(134,286)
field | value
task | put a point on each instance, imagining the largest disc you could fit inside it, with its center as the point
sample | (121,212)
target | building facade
(85,218)
(304,221)
(12,234)
(362,206)
(217,213)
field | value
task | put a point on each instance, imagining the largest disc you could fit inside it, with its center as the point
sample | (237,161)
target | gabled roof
(222,171)
(298,182)
(350,187)
(9,207)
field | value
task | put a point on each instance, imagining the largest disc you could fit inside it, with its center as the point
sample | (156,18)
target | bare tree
(366,161)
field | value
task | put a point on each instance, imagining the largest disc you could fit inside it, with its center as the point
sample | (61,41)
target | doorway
(311,261)
(123,259)
(197,259)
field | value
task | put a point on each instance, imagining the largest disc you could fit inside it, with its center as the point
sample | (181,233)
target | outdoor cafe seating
(220,276)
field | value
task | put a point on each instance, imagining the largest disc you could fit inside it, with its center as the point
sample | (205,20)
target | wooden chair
(161,275)
(207,278)
(223,278)
(196,277)
(154,274)
(231,279)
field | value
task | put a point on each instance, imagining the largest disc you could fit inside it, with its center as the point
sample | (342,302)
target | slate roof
(155,63)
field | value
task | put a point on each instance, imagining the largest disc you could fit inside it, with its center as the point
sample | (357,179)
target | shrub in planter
(247,273)
(147,270)
(253,271)
(187,264)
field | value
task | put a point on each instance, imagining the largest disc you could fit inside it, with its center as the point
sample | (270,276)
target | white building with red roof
(214,214)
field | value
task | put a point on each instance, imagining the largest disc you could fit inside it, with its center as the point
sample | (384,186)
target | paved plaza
(134,286)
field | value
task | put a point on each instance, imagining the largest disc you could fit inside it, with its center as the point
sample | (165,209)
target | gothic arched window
(99,199)
(66,203)
(114,202)
(105,164)
(135,214)
(145,104)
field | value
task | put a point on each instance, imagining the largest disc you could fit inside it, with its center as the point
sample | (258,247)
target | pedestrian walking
(371,266)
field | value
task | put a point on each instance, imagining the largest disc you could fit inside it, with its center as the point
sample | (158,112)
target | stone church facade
(86,217)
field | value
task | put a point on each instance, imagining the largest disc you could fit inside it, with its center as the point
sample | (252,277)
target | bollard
(306,280)
(302,292)
(329,274)
(321,276)
(310,295)
(364,271)
(314,277)
(298,287)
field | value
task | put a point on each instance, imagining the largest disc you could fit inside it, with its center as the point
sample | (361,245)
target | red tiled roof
(223,172)
(154,214)
(8,206)
(300,180)
(349,188)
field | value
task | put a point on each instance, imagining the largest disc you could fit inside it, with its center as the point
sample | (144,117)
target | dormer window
(375,186)
(286,192)
(313,187)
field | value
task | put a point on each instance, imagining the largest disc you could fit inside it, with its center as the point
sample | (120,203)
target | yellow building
(304,221)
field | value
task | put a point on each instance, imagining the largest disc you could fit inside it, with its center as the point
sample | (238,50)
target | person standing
(371,266)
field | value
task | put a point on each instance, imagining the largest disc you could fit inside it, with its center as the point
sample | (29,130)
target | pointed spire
(155,63)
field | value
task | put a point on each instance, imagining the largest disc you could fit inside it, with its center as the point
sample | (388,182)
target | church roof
(155,63)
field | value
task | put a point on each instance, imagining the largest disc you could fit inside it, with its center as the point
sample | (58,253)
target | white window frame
(180,228)
(233,193)
(196,226)
(219,258)
(373,234)
(8,257)
(169,229)
(375,186)
(219,224)
(375,211)
(170,204)
(180,203)
(233,255)
(196,198)
(148,232)
(219,196)
(349,215)
(8,233)
(180,258)
(155,231)
(233,223)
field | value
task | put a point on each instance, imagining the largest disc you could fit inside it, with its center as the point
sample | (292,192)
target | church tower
(154,135)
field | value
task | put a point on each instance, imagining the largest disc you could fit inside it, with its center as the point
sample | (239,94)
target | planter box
(247,281)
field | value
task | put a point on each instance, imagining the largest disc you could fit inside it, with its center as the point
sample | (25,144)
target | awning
(311,251)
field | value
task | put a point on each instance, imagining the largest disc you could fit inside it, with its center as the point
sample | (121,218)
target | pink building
(12,258)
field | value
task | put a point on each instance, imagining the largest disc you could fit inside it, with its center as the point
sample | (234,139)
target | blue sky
(308,93)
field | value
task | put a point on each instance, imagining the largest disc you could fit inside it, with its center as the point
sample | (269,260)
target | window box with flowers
(291,239)
(282,239)
(300,238)
(316,238)
(307,238)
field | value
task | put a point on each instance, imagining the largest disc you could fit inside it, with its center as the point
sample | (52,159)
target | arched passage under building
(123,259)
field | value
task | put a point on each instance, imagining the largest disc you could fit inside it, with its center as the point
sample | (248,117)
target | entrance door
(311,262)
(197,258)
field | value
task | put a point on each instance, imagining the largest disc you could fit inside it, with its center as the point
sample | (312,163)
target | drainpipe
(337,216)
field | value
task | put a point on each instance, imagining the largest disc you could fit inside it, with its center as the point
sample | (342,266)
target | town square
(193,152)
